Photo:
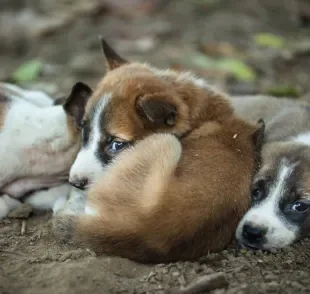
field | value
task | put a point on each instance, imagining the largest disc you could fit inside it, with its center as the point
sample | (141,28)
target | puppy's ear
(157,109)
(259,135)
(76,102)
(112,59)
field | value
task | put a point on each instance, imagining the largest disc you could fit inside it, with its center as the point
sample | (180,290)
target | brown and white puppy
(38,144)
(168,164)
(280,212)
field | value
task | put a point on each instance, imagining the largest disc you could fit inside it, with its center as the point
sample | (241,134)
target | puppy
(38,144)
(166,163)
(280,212)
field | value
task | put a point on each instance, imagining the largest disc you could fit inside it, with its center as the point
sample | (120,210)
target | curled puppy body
(38,143)
(166,163)
(280,211)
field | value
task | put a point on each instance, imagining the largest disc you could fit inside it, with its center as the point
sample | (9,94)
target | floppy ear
(112,59)
(259,135)
(157,109)
(76,102)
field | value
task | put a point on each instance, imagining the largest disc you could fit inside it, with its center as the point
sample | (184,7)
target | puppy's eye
(257,193)
(117,146)
(300,206)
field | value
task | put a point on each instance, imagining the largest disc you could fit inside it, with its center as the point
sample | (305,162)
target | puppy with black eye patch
(166,164)
(280,210)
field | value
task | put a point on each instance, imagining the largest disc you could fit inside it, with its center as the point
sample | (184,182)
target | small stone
(175,274)
(270,277)
(23,211)
(241,276)
(273,250)
(65,256)
(272,286)
(92,253)
(204,284)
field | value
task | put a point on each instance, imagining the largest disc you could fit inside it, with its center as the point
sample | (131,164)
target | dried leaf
(269,40)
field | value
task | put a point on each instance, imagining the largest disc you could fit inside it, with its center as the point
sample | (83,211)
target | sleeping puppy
(166,163)
(38,144)
(280,212)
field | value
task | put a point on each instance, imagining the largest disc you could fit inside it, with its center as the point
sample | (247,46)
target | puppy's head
(280,210)
(132,101)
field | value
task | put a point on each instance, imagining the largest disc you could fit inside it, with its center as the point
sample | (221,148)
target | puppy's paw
(63,227)
(7,204)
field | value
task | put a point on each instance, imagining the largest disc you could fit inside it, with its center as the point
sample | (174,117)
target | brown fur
(170,196)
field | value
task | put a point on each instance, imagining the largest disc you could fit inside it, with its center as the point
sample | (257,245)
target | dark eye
(256,193)
(300,206)
(117,146)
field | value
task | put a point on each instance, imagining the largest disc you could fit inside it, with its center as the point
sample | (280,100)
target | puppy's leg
(51,199)
(64,218)
(130,188)
(7,204)
(37,98)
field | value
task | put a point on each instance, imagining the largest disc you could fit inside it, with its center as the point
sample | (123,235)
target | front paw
(63,227)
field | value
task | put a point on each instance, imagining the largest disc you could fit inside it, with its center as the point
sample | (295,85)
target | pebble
(65,256)
(270,277)
(204,284)
(272,286)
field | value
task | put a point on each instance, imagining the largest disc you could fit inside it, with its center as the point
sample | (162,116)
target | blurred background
(243,46)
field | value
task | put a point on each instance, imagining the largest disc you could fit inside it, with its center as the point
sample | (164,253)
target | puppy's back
(284,117)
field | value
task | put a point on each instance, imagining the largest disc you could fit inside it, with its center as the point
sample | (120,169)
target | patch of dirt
(64,36)
(36,263)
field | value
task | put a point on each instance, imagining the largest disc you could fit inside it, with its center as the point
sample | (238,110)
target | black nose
(80,184)
(253,233)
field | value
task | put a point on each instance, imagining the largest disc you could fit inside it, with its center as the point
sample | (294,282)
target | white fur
(303,138)
(87,165)
(37,98)
(54,198)
(279,234)
(7,204)
(36,148)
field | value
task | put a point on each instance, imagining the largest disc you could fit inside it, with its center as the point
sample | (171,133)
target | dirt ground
(63,35)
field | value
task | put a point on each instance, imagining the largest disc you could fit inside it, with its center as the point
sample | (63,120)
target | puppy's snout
(253,233)
(79,183)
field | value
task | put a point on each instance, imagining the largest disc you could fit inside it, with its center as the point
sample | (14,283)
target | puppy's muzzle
(80,184)
(253,234)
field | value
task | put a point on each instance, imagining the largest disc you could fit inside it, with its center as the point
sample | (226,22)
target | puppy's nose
(80,183)
(253,233)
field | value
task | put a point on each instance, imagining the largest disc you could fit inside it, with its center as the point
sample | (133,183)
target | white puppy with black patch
(38,144)
(280,210)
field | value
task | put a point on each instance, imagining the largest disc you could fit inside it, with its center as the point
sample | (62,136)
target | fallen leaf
(27,72)
(283,91)
(220,49)
(269,40)
(237,68)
